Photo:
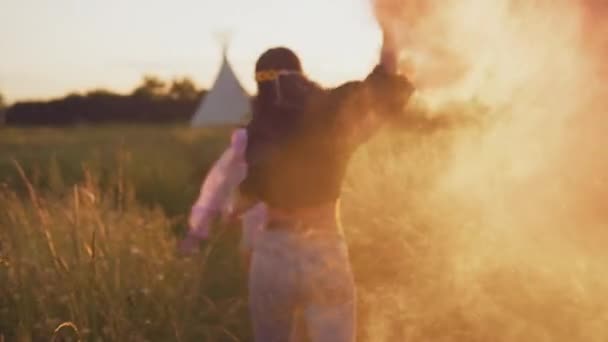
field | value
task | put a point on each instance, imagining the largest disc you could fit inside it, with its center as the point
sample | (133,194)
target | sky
(49,48)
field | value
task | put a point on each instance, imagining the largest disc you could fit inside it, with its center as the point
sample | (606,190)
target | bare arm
(220,183)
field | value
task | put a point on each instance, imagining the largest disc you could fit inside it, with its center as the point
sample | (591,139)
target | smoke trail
(536,66)
(527,193)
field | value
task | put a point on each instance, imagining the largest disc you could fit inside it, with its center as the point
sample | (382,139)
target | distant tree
(100,93)
(153,101)
(183,89)
(151,87)
(2,108)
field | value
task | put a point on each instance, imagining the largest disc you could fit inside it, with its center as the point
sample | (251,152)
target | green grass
(161,163)
(93,241)
(88,233)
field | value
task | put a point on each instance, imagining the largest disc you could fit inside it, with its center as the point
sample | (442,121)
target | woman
(298,145)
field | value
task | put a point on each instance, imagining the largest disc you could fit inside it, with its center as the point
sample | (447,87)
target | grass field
(89,219)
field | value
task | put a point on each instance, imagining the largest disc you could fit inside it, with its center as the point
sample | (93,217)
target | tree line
(153,101)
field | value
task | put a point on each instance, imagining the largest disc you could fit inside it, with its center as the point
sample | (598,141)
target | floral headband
(273,75)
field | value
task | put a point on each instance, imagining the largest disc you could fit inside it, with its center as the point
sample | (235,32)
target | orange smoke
(540,168)
(495,231)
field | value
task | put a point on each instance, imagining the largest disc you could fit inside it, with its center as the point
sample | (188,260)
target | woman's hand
(189,245)
(199,224)
(387,14)
(389,54)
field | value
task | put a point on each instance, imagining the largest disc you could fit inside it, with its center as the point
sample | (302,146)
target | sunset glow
(52,48)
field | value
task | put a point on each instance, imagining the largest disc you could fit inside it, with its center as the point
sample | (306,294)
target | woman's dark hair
(288,87)
(283,97)
(279,58)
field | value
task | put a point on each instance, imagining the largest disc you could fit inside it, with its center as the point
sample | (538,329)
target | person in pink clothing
(289,163)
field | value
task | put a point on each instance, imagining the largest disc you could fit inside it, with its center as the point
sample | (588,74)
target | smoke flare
(528,191)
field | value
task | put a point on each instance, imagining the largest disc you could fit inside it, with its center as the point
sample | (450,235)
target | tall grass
(160,163)
(108,265)
(96,247)
(96,253)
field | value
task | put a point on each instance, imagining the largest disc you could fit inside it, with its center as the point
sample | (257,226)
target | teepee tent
(226,103)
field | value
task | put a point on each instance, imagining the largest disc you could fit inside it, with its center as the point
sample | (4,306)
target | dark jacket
(297,154)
